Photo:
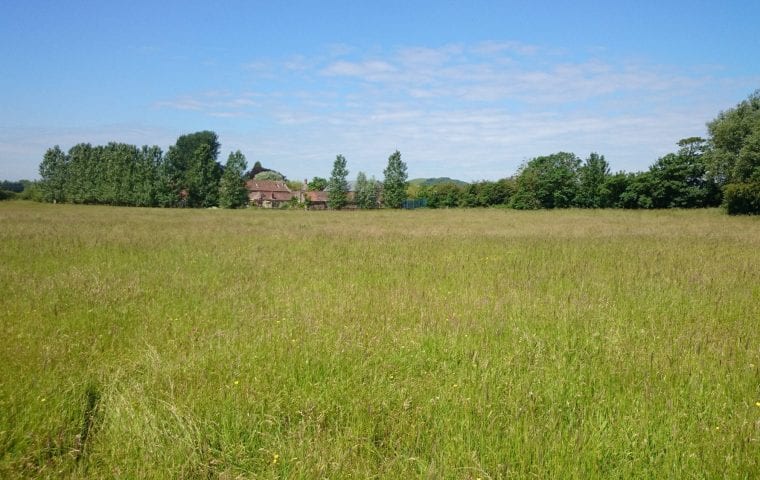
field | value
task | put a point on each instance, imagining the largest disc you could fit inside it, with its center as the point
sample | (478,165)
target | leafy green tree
(366,191)
(167,194)
(394,184)
(182,157)
(232,191)
(83,174)
(592,177)
(679,180)
(145,176)
(317,184)
(638,191)
(547,182)
(54,174)
(202,178)
(115,169)
(734,153)
(444,195)
(494,193)
(614,187)
(337,186)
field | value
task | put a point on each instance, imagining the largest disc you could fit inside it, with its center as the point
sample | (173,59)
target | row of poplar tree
(368,192)
(188,174)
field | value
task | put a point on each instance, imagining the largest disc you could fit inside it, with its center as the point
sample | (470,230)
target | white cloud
(374,70)
(488,106)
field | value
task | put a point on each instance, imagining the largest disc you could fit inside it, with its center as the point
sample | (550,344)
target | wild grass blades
(458,344)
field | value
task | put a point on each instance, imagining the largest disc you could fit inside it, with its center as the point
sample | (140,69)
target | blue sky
(463,89)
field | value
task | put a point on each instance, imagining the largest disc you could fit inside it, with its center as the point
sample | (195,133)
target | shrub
(270,175)
(742,198)
(7,195)
(32,191)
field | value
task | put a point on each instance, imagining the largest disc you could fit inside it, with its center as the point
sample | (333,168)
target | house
(268,193)
(316,200)
(275,193)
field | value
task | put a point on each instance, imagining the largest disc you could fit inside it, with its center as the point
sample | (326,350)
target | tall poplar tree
(337,186)
(394,185)
(203,177)
(53,171)
(232,192)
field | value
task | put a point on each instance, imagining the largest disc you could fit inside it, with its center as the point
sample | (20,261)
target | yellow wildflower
(275,457)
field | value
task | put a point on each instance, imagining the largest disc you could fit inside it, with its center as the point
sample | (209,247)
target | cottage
(316,200)
(268,193)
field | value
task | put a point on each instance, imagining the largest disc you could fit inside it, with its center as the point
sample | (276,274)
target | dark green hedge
(742,198)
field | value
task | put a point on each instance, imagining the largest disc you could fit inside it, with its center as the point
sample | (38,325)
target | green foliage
(742,198)
(443,195)
(485,193)
(187,165)
(337,186)
(144,186)
(679,180)
(7,195)
(367,191)
(270,175)
(394,184)
(54,175)
(16,187)
(676,180)
(32,191)
(294,185)
(734,155)
(232,191)
(547,182)
(592,182)
(292,204)
(317,184)
(490,194)
(202,178)
(638,192)
(614,187)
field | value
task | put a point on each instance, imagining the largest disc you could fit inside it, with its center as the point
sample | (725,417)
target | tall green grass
(148,343)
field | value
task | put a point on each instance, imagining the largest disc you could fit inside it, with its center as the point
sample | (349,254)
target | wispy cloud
(216,103)
(489,105)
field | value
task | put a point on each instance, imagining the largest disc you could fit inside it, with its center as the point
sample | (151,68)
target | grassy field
(148,343)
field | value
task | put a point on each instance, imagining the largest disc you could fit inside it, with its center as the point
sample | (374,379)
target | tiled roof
(316,196)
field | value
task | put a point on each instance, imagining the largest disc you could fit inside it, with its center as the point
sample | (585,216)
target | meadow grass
(150,343)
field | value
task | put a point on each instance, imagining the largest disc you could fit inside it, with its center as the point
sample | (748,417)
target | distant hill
(436,181)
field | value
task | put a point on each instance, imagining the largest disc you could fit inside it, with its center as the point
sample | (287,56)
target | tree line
(563,180)
(723,169)
(188,174)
